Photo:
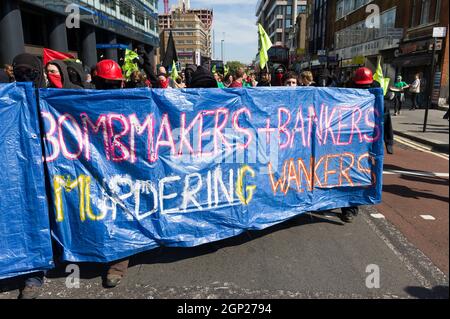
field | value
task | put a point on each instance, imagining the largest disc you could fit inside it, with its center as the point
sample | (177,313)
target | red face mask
(164,84)
(55,80)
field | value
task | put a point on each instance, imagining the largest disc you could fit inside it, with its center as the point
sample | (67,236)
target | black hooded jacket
(144,63)
(202,78)
(67,84)
(77,75)
(34,65)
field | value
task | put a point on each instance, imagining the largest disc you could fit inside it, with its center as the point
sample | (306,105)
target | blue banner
(131,170)
(25,243)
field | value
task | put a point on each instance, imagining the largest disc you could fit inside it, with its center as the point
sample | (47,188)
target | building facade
(297,36)
(278,19)
(88,29)
(398,31)
(191,30)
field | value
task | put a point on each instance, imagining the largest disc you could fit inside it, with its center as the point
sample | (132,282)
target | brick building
(401,34)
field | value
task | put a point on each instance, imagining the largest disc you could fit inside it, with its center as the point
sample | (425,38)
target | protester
(179,83)
(239,79)
(202,78)
(144,63)
(78,75)
(229,80)
(9,72)
(279,74)
(265,79)
(399,95)
(108,75)
(364,80)
(163,81)
(290,79)
(58,76)
(306,78)
(137,80)
(414,89)
(219,80)
(188,72)
(28,68)
(252,79)
(323,77)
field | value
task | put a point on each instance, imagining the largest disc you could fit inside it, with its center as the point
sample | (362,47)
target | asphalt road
(311,256)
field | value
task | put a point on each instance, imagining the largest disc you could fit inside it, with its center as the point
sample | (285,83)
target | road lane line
(427,217)
(414,173)
(421,147)
(378,216)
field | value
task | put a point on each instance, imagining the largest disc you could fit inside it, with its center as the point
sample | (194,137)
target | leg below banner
(116,272)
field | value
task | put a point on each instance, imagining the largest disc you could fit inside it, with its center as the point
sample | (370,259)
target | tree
(232,66)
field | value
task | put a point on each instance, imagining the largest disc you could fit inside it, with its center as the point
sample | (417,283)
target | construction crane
(166,6)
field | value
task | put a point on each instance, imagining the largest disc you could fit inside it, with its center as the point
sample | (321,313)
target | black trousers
(388,128)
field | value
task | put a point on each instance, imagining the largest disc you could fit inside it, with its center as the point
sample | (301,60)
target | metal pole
(221,48)
(430,86)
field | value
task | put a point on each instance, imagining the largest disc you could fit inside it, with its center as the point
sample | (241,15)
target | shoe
(347,217)
(395,114)
(113,280)
(390,149)
(30,292)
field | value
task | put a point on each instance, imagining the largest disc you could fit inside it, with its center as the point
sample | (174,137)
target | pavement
(409,124)
(311,256)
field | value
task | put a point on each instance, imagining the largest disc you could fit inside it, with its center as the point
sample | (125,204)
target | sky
(235,22)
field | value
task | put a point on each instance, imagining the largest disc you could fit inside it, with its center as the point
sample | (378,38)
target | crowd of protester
(107,75)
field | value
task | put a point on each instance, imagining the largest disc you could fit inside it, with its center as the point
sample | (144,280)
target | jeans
(397,103)
(415,100)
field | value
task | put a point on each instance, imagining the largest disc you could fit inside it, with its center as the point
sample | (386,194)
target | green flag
(266,44)
(214,69)
(174,72)
(226,70)
(129,66)
(379,77)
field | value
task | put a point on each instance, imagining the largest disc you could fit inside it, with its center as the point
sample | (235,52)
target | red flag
(50,55)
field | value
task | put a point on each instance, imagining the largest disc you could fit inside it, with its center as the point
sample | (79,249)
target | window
(125,10)
(279,39)
(108,3)
(288,23)
(301,9)
(425,14)
(279,23)
(288,10)
(139,18)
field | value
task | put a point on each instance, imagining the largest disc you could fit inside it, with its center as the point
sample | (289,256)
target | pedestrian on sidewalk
(415,91)
(399,94)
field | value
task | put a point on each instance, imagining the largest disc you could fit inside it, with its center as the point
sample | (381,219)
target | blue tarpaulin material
(131,170)
(25,241)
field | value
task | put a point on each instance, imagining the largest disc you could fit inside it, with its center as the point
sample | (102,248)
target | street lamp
(221,47)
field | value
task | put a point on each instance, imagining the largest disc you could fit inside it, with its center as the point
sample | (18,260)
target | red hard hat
(109,70)
(363,76)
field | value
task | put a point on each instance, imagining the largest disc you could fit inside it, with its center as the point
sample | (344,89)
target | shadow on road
(438,292)
(407,192)
(169,255)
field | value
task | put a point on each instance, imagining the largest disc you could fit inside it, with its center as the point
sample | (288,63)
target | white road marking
(377,216)
(427,217)
(421,147)
(411,173)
